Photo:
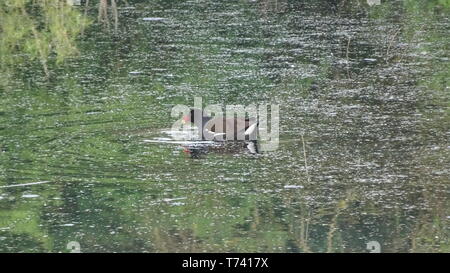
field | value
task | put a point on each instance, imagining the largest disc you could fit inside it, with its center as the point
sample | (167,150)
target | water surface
(87,155)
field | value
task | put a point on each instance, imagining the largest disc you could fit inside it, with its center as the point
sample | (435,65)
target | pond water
(87,155)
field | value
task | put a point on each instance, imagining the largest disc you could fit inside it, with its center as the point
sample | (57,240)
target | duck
(215,128)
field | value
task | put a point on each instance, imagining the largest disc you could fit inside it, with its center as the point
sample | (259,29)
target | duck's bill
(185,119)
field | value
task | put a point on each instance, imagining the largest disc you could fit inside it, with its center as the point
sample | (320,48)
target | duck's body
(221,128)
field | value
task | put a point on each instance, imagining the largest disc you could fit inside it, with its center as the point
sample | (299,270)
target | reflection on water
(363,154)
(196,151)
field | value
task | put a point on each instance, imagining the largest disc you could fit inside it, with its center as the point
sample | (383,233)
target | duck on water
(222,129)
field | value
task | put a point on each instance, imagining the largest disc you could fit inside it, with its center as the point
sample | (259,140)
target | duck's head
(190,118)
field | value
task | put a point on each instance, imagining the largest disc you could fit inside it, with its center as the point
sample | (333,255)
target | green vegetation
(37,30)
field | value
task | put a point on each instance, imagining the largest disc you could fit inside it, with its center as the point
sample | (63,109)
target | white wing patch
(251,129)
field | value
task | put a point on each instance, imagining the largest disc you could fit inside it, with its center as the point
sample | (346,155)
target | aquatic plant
(38,30)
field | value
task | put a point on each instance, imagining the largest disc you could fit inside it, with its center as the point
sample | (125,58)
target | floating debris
(135,72)
(177,204)
(30,195)
(293,187)
(173,199)
(26,184)
(153,19)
